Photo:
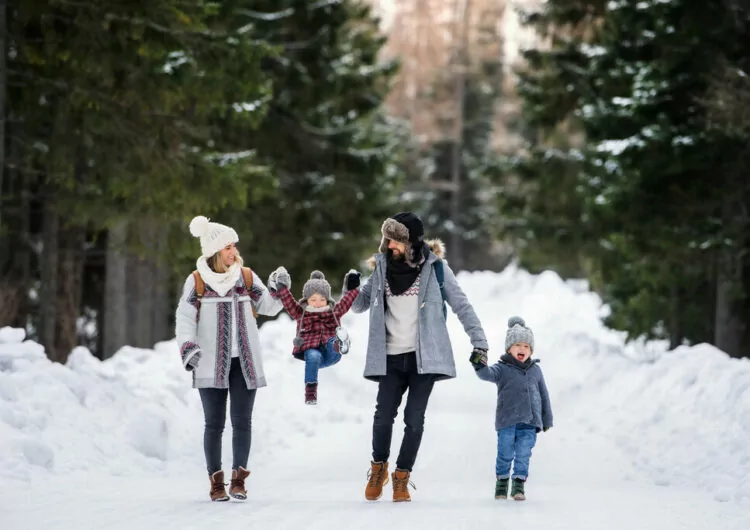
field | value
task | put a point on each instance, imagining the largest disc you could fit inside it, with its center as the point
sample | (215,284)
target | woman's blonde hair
(217,265)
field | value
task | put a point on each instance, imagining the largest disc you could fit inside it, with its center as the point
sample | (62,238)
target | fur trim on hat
(395,231)
(436,246)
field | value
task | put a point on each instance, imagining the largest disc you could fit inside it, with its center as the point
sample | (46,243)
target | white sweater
(401,319)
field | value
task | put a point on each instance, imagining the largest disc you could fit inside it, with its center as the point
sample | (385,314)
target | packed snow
(643,437)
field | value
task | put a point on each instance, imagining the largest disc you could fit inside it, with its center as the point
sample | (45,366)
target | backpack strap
(247,275)
(200,288)
(440,277)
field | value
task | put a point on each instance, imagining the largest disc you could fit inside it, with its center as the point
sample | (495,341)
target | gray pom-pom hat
(518,332)
(317,284)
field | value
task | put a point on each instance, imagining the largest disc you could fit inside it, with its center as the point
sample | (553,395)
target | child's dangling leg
(330,354)
(313,360)
(316,359)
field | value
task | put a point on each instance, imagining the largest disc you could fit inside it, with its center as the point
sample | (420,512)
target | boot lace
(217,487)
(376,478)
(400,484)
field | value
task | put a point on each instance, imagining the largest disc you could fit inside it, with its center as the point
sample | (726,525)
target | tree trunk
(115,300)
(9,290)
(462,23)
(3,82)
(70,290)
(144,303)
(141,277)
(730,327)
(21,245)
(675,327)
(731,292)
(161,306)
(49,277)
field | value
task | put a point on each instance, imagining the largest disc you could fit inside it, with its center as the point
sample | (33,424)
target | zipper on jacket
(420,369)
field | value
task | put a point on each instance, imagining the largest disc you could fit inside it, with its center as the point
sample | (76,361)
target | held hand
(283,279)
(271,283)
(352,280)
(478,358)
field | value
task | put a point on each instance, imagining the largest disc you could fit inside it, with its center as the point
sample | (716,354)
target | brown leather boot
(218,493)
(377,477)
(237,484)
(401,486)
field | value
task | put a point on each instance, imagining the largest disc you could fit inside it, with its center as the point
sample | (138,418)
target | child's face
(317,300)
(520,351)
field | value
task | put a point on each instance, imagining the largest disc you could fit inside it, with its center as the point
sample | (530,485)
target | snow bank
(117,416)
(681,417)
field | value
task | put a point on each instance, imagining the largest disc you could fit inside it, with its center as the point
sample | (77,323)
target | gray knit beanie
(316,284)
(518,332)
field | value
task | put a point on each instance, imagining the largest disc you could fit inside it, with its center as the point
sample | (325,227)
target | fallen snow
(650,438)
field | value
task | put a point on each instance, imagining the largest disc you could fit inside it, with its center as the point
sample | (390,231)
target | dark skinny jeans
(241,401)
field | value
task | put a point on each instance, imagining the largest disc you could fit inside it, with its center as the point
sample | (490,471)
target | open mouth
(521,356)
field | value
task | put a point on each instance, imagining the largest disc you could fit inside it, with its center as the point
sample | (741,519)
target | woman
(219,343)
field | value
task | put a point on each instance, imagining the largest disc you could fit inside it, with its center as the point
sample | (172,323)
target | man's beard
(395,255)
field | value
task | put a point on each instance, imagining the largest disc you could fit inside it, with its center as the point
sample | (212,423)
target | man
(408,345)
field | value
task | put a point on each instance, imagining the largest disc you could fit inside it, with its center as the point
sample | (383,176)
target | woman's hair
(217,265)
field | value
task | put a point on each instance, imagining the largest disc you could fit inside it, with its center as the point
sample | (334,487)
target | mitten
(352,280)
(478,358)
(546,428)
(282,278)
(193,362)
(271,283)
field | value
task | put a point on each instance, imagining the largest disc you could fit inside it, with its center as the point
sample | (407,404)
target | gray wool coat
(522,395)
(434,351)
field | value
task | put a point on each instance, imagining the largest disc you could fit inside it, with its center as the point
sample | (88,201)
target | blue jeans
(316,359)
(514,445)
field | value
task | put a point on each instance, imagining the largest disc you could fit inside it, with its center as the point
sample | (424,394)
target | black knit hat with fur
(406,228)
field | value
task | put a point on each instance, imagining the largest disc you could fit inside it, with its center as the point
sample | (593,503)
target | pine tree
(112,107)
(480,168)
(465,96)
(631,83)
(325,138)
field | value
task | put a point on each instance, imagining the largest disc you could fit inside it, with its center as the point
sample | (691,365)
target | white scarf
(221,283)
(311,309)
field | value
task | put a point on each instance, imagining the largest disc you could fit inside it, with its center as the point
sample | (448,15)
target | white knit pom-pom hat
(213,236)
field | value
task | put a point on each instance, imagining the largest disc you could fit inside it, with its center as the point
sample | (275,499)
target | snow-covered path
(613,460)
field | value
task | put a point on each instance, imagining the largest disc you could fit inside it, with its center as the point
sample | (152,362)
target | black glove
(352,280)
(478,358)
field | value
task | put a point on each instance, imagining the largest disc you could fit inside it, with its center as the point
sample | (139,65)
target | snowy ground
(643,438)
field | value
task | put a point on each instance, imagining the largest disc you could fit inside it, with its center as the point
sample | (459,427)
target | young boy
(523,406)
(317,317)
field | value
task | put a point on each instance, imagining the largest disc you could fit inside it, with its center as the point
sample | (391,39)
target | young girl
(523,406)
(219,343)
(317,317)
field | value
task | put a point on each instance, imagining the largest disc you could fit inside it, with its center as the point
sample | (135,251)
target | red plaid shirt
(315,328)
